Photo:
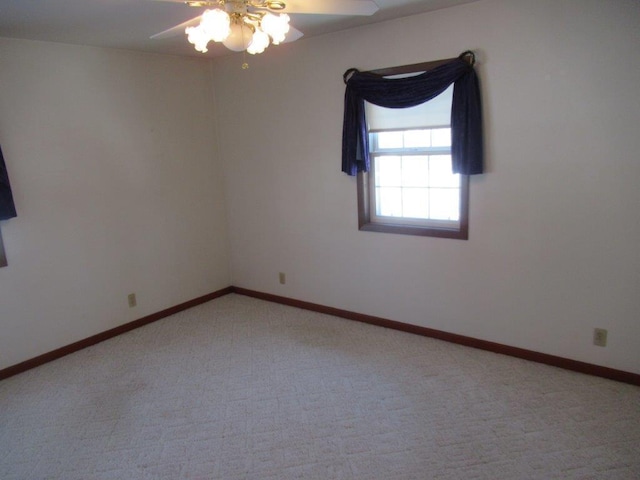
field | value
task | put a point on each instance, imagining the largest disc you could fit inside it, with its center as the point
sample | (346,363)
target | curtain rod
(468,56)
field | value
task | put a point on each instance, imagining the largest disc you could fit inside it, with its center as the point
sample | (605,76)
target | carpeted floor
(239,388)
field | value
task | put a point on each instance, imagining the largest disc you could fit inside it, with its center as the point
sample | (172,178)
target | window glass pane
(415,202)
(417,138)
(415,171)
(389,202)
(389,139)
(444,203)
(388,171)
(441,137)
(440,174)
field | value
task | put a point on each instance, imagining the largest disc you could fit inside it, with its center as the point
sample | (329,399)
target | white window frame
(376,152)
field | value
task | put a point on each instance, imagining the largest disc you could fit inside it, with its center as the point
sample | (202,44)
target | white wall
(112,158)
(555,227)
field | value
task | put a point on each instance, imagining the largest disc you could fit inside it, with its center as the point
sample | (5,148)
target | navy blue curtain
(7,207)
(466,112)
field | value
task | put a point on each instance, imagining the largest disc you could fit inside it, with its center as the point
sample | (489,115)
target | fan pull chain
(245,65)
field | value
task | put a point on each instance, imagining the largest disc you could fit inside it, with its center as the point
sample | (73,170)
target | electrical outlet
(600,337)
(132,300)
(283,278)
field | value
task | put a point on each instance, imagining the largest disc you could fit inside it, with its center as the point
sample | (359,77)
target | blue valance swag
(466,111)
(7,207)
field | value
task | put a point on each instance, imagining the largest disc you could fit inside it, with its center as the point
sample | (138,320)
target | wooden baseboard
(567,364)
(101,337)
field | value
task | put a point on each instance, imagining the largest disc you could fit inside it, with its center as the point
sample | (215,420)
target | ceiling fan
(252,25)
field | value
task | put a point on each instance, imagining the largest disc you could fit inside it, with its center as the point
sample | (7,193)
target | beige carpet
(239,388)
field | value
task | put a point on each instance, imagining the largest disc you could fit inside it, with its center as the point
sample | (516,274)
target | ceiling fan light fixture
(233,22)
(238,31)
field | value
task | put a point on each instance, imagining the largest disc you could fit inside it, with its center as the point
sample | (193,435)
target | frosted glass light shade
(198,38)
(276,26)
(259,42)
(239,38)
(216,24)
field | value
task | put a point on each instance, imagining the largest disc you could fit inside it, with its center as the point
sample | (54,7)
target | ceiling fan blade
(323,7)
(292,35)
(331,7)
(194,3)
(178,29)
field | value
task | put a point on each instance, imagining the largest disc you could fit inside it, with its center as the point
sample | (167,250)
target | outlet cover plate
(600,337)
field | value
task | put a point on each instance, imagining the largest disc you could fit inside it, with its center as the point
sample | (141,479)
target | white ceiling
(128,24)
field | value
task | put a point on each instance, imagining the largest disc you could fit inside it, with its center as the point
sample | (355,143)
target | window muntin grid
(411,178)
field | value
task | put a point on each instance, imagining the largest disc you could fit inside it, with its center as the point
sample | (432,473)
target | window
(410,188)
(411,180)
